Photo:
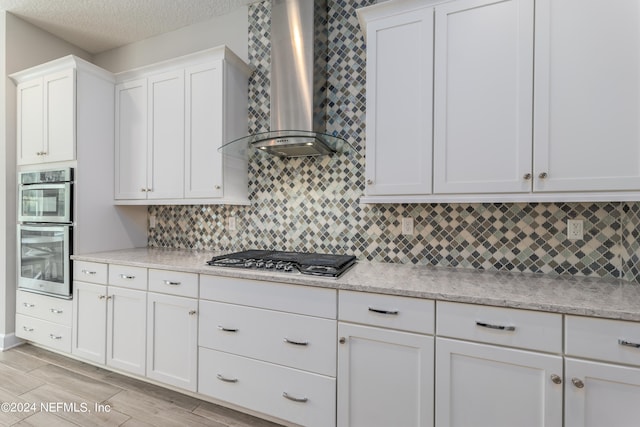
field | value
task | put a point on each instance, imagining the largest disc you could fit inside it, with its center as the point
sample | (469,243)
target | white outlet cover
(407,226)
(575,229)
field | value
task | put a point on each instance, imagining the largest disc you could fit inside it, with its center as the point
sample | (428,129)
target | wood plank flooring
(74,392)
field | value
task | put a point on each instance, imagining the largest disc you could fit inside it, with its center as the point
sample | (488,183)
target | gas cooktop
(326,265)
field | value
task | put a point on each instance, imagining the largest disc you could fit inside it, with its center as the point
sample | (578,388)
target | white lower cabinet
(385,377)
(126,328)
(172,340)
(486,385)
(44,320)
(385,369)
(269,347)
(109,326)
(604,390)
(294,395)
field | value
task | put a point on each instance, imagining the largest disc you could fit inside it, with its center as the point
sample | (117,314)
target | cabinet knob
(217,187)
(369,182)
(577,382)
(543,175)
(556,379)
(342,340)
(192,312)
(102,296)
(144,190)
(527,176)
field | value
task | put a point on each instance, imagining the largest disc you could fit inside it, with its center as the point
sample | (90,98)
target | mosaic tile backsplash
(312,204)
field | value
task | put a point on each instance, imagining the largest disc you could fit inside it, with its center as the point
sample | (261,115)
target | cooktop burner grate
(326,265)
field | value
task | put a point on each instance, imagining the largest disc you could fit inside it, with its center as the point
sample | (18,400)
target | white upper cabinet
(399,101)
(171,118)
(587,97)
(47,118)
(529,104)
(131,134)
(483,96)
(166,136)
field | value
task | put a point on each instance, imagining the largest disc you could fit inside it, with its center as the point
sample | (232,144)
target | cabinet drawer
(293,340)
(43,307)
(93,272)
(128,277)
(264,387)
(387,311)
(603,339)
(45,333)
(174,283)
(298,299)
(504,326)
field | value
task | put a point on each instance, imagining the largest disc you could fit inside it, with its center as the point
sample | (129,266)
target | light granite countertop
(615,299)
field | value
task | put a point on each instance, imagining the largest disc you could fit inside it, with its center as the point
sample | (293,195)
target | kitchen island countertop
(607,298)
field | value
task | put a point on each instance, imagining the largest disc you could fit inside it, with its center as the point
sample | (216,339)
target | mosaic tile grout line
(313,205)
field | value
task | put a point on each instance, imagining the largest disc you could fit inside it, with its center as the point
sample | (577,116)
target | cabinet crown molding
(221,52)
(60,64)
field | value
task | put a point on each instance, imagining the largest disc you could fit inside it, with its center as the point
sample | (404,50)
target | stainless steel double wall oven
(45,231)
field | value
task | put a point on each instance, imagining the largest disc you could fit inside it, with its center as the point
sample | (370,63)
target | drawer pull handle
(577,382)
(223,329)
(55,337)
(56,311)
(287,340)
(628,343)
(498,327)
(226,380)
(169,282)
(294,399)
(28,305)
(89,272)
(125,276)
(26,329)
(380,311)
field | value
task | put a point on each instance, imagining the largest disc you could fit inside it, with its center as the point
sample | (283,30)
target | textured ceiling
(100,25)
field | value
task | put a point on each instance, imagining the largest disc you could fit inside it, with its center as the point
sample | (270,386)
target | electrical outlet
(152,221)
(575,229)
(407,226)
(231,223)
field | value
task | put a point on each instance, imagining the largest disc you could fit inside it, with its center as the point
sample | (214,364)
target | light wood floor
(30,376)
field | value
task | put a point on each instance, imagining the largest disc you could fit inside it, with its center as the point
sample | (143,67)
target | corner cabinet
(171,118)
(497,137)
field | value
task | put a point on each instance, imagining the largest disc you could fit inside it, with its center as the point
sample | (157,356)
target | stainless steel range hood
(298,85)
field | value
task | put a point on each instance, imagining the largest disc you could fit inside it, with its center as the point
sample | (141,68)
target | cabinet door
(399,104)
(483,96)
(30,122)
(126,329)
(599,394)
(89,321)
(385,378)
(204,130)
(131,140)
(483,385)
(172,340)
(59,116)
(166,133)
(587,95)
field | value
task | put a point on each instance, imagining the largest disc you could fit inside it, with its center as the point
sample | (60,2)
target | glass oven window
(43,254)
(45,203)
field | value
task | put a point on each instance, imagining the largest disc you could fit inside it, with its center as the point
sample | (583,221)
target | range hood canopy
(298,86)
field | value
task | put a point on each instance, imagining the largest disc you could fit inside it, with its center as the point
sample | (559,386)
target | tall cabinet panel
(30,121)
(587,97)
(483,96)
(203,132)
(131,140)
(399,103)
(166,136)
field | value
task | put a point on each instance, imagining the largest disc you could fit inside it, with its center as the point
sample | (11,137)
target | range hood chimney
(298,85)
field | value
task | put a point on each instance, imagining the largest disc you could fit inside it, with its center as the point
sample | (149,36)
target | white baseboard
(8,341)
